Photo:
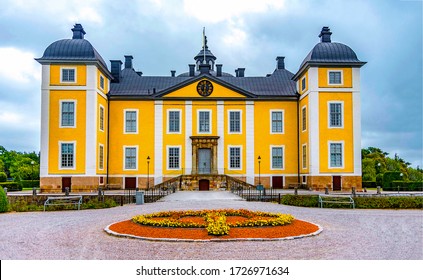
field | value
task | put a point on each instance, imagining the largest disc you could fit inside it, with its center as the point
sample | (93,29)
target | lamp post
(259,158)
(32,177)
(148,172)
(401,180)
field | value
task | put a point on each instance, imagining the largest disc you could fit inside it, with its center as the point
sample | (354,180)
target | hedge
(29,184)
(385,202)
(11,186)
(4,203)
(3,177)
(369,184)
(404,186)
(389,177)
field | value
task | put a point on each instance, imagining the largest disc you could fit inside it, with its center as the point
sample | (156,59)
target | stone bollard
(34,191)
(66,191)
(378,190)
(353,191)
(295,191)
(326,190)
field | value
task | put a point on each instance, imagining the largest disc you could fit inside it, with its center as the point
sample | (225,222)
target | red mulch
(297,227)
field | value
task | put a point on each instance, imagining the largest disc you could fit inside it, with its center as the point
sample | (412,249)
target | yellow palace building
(119,127)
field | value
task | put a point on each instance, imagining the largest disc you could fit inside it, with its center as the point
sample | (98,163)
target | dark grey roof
(278,84)
(72,50)
(208,54)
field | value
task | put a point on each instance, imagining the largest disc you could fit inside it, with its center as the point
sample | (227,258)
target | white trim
(356,120)
(221,134)
(168,121)
(306,118)
(240,157)
(342,113)
(303,176)
(61,101)
(240,121)
(124,158)
(179,156)
(74,155)
(45,120)
(271,157)
(302,156)
(342,156)
(136,121)
(100,145)
(188,133)
(99,177)
(249,141)
(158,141)
(68,68)
(99,118)
(314,136)
(336,71)
(210,121)
(283,120)
(91,122)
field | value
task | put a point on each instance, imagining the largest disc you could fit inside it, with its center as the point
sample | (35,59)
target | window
(335,114)
(335,77)
(68,75)
(304,118)
(277,121)
(101,82)
(101,157)
(130,158)
(67,155)
(304,156)
(131,121)
(234,157)
(304,179)
(204,122)
(174,125)
(234,121)
(336,155)
(303,84)
(101,117)
(67,114)
(173,158)
(277,157)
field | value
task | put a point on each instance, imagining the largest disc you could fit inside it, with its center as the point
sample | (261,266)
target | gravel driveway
(347,234)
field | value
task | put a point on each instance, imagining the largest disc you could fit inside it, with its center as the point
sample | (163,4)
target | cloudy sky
(166,35)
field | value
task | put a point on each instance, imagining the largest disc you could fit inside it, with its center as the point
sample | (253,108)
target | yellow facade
(324,76)
(80,70)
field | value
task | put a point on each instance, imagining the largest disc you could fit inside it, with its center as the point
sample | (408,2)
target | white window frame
(210,121)
(271,157)
(179,157)
(305,84)
(304,127)
(342,156)
(168,121)
(304,166)
(136,121)
(304,179)
(74,155)
(229,122)
(336,71)
(61,101)
(104,80)
(342,114)
(283,121)
(68,68)
(124,158)
(240,157)
(99,117)
(100,163)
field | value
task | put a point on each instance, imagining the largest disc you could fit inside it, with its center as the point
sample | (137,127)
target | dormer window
(68,75)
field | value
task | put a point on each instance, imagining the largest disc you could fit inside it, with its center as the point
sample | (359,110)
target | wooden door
(66,183)
(277,182)
(336,183)
(204,185)
(130,183)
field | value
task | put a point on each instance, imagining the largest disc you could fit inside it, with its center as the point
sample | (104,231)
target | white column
(91,122)
(249,149)
(188,133)
(313,120)
(357,121)
(45,109)
(158,142)
(221,134)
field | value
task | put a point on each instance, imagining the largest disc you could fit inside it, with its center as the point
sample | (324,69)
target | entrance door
(336,183)
(277,182)
(130,183)
(204,156)
(204,185)
(66,183)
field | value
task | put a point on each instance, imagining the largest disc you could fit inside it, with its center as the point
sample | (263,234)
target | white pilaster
(91,122)
(357,121)
(188,133)
(313,120)
(158,142)
(249,149)
(221,134)
(45,109)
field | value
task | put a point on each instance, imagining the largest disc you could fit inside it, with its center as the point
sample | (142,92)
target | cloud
(18,66)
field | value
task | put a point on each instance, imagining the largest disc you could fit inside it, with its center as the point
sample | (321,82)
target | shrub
(300,200)
(11,186)
(406,186)
(369,184)
(388,177)
(3,177)
(4,203)
(29,184)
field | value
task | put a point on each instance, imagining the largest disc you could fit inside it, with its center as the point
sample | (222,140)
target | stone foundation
(78,184)
(319,183)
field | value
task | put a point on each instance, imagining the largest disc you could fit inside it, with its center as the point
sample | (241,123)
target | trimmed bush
(29,184)
(406,186)
(300,200)
(11,186)
(369,184)
(3,177)
(388,178)
(4,204)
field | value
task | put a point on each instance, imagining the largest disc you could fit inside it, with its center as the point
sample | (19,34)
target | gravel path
(347,234)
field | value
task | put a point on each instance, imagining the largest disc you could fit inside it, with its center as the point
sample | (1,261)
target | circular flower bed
(213,225)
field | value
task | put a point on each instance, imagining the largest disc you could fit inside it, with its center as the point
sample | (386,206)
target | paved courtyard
(347,234)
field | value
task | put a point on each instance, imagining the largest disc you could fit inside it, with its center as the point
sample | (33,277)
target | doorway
(277,182)
(204,185)
(204,159)
(336,183)
(66,183)
(130,183)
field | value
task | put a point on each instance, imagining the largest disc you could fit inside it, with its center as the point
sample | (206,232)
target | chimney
(325,35)
(116,69)
(236,73)
(191,70)
(219,70)
(204,68)
(240,72)
(280,64)
(78,31)
(128,61)
(172,73)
